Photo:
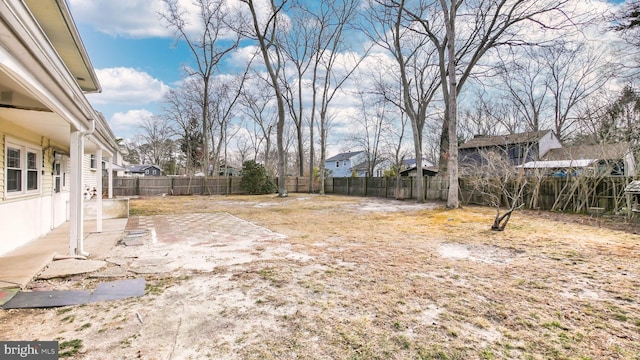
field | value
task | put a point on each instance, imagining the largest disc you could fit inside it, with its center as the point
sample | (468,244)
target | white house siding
(547,142)
(26,217)
(89,174)
(345,165)
(22,228)
(2,166)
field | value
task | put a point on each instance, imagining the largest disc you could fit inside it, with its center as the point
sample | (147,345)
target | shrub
(255,180)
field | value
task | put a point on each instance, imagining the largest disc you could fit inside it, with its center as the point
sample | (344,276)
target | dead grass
(381,280)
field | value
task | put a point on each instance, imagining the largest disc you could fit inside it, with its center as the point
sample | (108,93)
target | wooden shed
(632,191)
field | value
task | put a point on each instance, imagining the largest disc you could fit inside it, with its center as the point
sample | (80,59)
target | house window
(344,162)
(14,170)
(337,164)
(22,169)
(59,173)
(32,171)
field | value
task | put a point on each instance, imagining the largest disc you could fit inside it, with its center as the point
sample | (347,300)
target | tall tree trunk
(452,107)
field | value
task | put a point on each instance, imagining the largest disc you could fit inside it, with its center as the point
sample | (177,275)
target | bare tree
(494,181)
(371,122)
(181,110)
(225,94)
(208,48)
(332,66)
(265,30)
(298,45)
(156,142)
(575,72)
(487,118)
(257,103)
(463,33)
(395,147)
(417,73)
(524,89)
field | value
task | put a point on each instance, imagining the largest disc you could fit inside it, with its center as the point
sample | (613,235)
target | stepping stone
(69,267)
(7,294)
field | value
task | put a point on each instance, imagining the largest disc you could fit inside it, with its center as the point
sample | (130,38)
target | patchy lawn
(310,277)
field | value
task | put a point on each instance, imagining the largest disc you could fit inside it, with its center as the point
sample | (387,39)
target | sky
(135,57)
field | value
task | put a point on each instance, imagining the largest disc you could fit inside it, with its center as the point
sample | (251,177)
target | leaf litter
(334,277)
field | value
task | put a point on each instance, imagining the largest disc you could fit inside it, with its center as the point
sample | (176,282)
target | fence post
(137,186)
(366,186)
(384,181)
(410,187)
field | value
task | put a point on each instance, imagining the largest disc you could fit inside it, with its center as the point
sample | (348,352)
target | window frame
(29,165)
(92,162)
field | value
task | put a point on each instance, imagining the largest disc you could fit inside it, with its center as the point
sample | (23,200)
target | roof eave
(65,38)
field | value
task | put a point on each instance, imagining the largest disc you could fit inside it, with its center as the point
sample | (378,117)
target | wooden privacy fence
(197,185)
(562,194)
(572,194)
(436,187)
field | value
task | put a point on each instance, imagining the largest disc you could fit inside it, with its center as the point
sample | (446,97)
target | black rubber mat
(120,289)
(113,290)
(46,299)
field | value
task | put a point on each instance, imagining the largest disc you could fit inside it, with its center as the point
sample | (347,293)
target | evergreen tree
(255,180)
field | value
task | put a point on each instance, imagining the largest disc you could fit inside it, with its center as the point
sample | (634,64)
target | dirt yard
(310,277)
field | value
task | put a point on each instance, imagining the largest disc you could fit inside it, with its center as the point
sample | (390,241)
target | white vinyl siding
(2,166)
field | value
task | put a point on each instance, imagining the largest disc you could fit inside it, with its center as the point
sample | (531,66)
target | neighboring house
(229,171)
(632,192)
(47,125)
(144,170)
(409,163)
(116,170)
(341,165)
(612,159)
(518,148)
(362,169)
(410,168)
(431,171)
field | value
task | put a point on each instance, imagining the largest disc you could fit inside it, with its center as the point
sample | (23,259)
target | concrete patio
(20,266)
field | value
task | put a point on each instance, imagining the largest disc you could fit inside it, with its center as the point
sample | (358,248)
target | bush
(255,180)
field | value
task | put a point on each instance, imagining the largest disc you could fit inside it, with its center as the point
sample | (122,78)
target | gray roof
(633,187)
(500,140)
(598,151)
(364,166)
(344,156)
(429,170)
(140,168)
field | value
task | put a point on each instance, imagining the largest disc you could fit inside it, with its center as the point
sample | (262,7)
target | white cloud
(122,85)
(127,18)
(127,124)
(133,18)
